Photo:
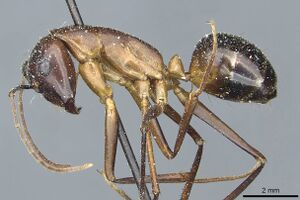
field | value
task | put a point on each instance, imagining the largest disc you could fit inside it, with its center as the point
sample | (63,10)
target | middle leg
(146,143)
(150,123)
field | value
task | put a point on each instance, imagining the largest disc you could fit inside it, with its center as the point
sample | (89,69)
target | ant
(223,65)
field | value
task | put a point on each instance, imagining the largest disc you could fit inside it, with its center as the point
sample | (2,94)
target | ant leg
(143,104)
(152,168)
(160,139)
(180,177)
(161,96)
(157,132)
(183,126)
(111,133)
(130,157)
(143,166)
(143,93)
(93,75)
(187,115)
(112,121)
(190,104)
(143,87)
(199,141)
(160,100)
(21,125)
(183,176)
(189,177)
(163,145)
(211,119)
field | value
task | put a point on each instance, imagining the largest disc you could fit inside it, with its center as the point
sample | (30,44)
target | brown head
(50,71)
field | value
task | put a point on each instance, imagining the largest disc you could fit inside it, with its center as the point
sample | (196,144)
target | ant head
(240,71)
(50,71)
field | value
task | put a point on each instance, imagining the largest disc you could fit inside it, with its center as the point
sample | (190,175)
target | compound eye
(44,66)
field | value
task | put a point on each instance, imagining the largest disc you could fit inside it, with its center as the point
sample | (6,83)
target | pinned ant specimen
(223,65)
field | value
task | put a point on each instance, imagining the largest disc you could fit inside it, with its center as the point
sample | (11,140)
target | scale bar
(276,196)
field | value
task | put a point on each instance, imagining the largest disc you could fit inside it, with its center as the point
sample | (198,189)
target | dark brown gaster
(241,72)
(51,72)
